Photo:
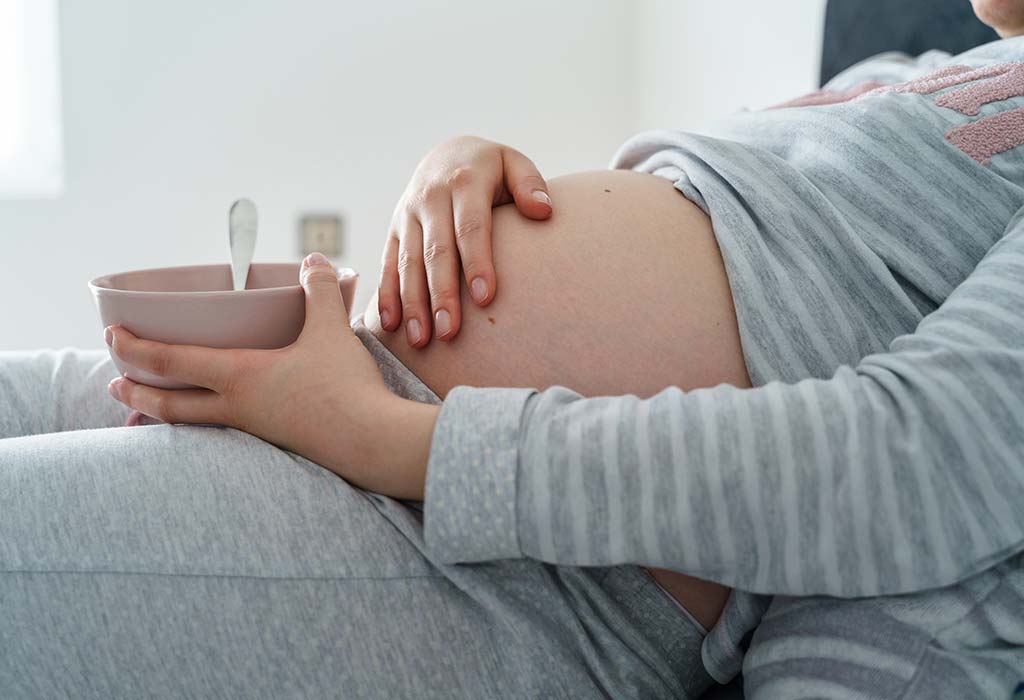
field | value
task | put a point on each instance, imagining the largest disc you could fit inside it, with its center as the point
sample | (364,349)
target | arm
(903,473)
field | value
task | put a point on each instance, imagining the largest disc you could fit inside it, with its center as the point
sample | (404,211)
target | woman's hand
(321,397)
(444,216)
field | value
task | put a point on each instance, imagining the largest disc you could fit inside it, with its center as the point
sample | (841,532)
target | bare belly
(622,291)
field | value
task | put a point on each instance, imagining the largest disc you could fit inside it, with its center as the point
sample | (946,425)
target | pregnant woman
(775,384)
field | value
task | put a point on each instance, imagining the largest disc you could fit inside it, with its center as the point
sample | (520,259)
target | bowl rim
(97,287)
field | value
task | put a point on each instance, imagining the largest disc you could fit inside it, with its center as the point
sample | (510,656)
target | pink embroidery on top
(933,82)
(988,136)
(981,139)
(990,84)
(970,99)
(829,97)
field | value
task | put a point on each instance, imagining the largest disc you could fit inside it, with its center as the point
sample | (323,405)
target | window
(31,149)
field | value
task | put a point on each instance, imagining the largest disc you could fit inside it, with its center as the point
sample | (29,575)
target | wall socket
(320,232)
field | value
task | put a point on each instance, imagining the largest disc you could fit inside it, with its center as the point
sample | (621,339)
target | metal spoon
(242,238)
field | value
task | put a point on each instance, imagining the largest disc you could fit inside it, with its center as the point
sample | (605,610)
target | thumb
(528,188)
(325,307)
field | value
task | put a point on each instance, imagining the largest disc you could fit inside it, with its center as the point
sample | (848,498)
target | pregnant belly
(622,291)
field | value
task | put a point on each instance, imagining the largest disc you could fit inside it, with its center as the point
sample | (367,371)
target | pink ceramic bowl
(196,306)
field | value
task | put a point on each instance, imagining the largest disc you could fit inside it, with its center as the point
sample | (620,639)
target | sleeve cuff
(469,503)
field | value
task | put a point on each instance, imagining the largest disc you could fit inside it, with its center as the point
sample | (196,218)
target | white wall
(30,135)
(700,59)
(172,110)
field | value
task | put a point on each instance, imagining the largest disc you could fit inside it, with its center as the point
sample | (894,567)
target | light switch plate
(320,232)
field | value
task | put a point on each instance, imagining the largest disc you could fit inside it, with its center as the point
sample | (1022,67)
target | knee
(831,648)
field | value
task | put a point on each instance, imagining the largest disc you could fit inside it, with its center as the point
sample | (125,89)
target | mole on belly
(491,319)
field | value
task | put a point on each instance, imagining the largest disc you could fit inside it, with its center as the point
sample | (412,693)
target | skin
(1005,16)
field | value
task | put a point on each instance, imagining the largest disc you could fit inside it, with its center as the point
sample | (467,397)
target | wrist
(398,447)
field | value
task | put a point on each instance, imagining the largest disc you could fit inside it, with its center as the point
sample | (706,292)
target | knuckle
(534,181)
(408,260)
(469,228)
(321,276)
(433,191)
(160,362)
(531,183)
(435,251)
(443,297)
(413,203)
(163,409)
(475,268)
(461,177)
(399,212)
(405,212)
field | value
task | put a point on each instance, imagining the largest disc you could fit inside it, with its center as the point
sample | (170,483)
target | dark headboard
(856,29)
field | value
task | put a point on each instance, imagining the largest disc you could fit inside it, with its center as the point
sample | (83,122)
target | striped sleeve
(903,473)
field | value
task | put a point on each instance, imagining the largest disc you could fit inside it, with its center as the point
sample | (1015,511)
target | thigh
(48,391)
(172,561)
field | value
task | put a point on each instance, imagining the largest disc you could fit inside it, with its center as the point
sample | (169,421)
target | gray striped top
(877,266)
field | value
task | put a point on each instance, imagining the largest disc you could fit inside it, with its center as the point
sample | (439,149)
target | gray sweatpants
(199,562)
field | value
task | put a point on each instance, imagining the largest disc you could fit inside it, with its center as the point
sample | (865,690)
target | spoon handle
(242,226)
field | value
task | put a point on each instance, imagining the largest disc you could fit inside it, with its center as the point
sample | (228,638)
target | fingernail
(479,289)
(542,197)
(442,322)
(114,388)
(108,335)
(315,259)
(385,317)
(412,329)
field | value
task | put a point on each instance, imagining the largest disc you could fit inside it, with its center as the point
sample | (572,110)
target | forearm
(396,450)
